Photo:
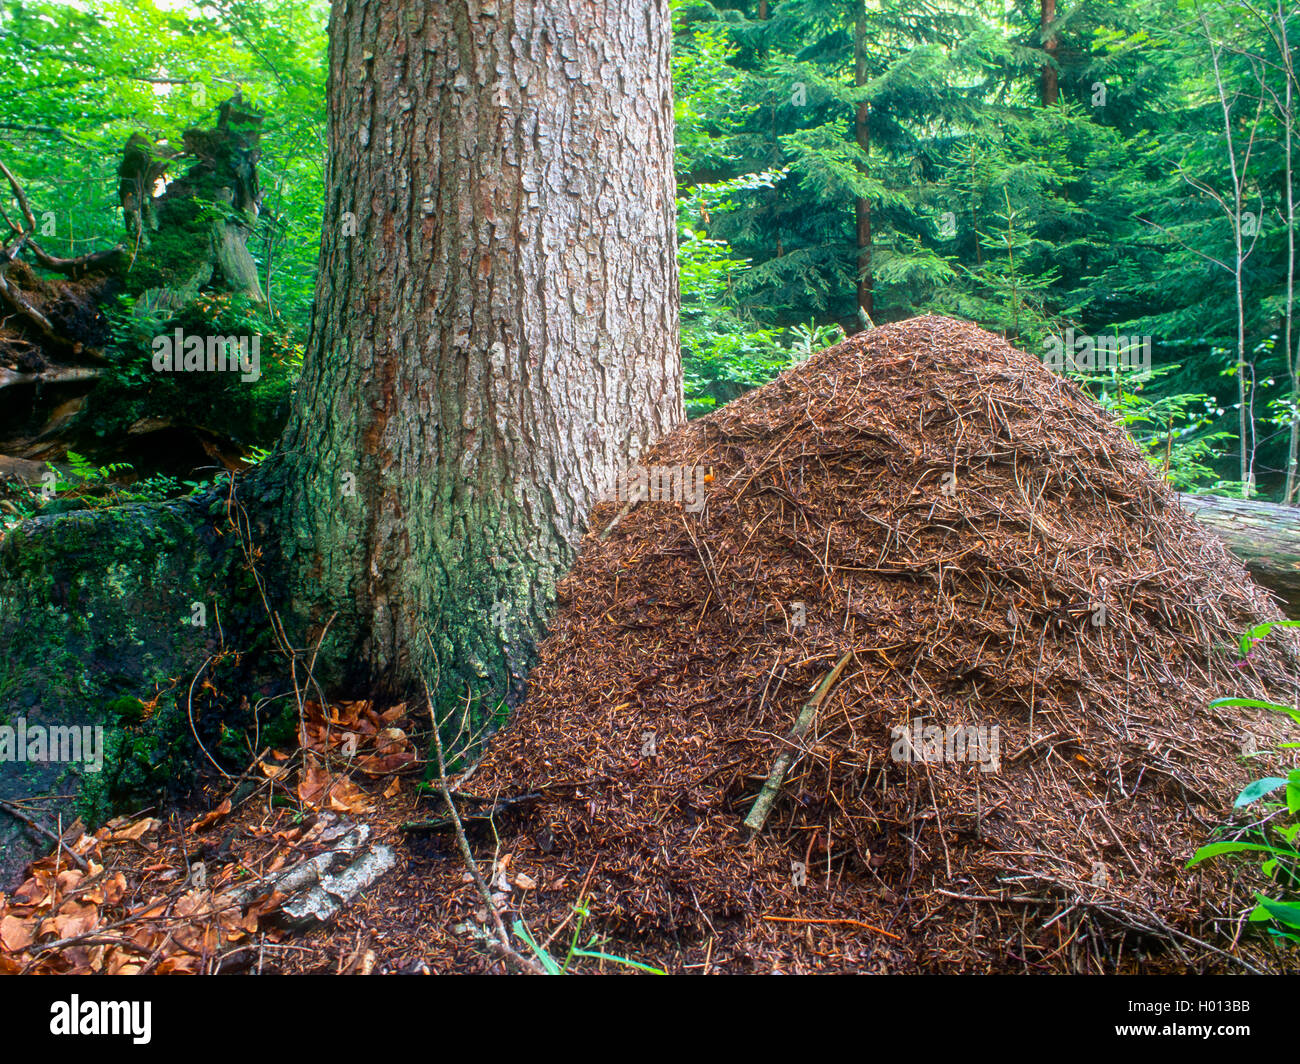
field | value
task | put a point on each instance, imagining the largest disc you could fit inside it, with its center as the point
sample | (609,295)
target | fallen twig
(508,952)
(441,822)
(17,814)
(819,920)
(762,806)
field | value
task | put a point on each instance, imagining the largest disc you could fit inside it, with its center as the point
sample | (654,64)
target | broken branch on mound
(762,806)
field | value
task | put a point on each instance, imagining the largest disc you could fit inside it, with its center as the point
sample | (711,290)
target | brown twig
(818,920)
(762,806)
(18,814)
(511,955)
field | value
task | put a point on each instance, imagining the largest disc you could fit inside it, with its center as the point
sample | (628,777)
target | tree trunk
(1049,87)
(495,331)
(1291,493)
(1265,536)
(862,207)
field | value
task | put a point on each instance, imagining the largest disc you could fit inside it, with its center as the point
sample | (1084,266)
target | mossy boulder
(107,619)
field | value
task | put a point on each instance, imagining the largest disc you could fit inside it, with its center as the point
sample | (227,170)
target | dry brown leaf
(313,782)
(16,934)
(346,797)
(75,919)
(136,832)
(316,787)
(153,910)
(34,891)
(210,818)
(114,889)
(271,903)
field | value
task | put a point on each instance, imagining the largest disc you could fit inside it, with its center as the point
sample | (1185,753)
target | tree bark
(1049,85)
(1265,536)
(862,206)
(495,332)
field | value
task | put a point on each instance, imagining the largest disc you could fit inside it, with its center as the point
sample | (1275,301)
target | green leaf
(1250,638)
(1251,703)
(1216,849)
(1255,703)
(1280,911)
(544,958)
(598,955)
(1253,792)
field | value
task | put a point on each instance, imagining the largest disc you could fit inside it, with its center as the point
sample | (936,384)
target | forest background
(1061,174)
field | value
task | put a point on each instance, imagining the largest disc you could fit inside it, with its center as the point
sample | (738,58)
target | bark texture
(1049,83)
(495,331)
(862,205)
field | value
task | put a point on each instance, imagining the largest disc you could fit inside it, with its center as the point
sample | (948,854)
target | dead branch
(18,814)
(79,264)
(762,806)
(511,955)
(21,197)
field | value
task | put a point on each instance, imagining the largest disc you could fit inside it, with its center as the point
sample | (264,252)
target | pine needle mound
(994,552)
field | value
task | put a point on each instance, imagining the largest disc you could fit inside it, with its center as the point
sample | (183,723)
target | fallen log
(1264,535)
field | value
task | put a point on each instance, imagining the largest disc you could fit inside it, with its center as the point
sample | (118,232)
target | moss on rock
(106,617)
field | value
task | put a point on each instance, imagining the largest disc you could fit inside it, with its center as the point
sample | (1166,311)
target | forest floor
(200,894)
(192,894)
